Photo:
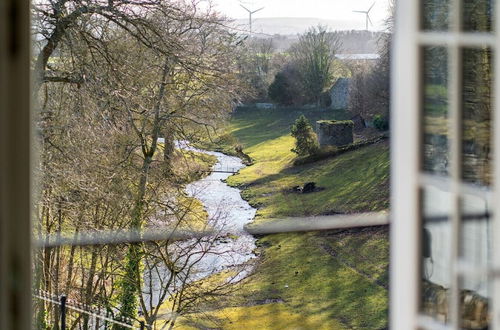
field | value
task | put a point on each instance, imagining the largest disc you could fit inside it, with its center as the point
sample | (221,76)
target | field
(327,280)
(353,182)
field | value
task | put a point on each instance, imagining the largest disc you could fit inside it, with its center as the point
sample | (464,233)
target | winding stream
(227,213)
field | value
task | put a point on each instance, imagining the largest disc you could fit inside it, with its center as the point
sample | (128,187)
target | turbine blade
(257,10)
(371,7)
(245,8)
(369,20)
(358,11)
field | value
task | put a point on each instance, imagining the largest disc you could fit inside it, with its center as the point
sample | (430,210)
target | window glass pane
(435,111)
(436,252)
(476,144)
(477,15)
(435,14)
(475,251)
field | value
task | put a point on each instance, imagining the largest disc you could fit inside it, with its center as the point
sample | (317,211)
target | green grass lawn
(253,126)
(330,280)
(352,182)
(327,280)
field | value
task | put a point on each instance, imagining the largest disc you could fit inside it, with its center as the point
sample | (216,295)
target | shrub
(381,122)
(287,88)
(306,141)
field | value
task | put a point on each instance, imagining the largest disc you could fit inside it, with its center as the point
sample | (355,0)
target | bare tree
(314,54)
(257,66)
(114,77)
(369,91)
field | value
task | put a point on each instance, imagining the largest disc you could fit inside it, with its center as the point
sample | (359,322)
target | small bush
(306,141)
(287,88)
(381,122)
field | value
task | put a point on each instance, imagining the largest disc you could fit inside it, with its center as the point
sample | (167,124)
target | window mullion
(454,94)
(495,280)
(455,172)
(405,165)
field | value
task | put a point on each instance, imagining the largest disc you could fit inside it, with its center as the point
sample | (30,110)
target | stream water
(227,213)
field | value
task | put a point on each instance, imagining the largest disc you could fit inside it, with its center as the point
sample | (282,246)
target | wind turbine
(367,13)
(250,13)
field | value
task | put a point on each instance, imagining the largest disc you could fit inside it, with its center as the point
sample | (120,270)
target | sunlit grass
(299,285)
(333,280)
(352,182)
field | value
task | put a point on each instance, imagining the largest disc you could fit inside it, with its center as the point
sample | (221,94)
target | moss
(337,122)
(331,151)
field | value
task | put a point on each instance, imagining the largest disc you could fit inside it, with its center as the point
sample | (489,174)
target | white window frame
(407,177)
(15,237)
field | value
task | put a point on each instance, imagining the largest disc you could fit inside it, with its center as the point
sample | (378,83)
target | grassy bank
(356,181)
(328,280)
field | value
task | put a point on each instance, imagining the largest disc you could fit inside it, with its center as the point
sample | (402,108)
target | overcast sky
(327,9)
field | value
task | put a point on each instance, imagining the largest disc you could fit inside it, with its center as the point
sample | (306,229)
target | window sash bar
(444,184)
(454,97)
(457,38)
(495,142)
(272,226)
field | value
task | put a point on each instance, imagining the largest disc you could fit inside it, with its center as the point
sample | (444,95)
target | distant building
(339,93)
(357,57)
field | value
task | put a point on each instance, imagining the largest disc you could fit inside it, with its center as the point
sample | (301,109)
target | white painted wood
(455,147)
(495,227)
(405,160)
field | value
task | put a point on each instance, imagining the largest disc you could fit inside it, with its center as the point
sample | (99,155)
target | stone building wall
(340,94)
(334,133)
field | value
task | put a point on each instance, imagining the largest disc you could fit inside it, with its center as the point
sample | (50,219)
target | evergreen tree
(306,141)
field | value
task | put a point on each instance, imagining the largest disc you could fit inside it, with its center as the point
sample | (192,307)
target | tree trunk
(168,150)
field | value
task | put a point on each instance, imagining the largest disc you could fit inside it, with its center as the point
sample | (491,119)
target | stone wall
(334,133)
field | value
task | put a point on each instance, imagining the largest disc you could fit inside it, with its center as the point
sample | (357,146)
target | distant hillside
(292,26)
(285,31)
(353,41)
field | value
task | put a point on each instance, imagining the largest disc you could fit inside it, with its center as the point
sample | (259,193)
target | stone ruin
(339,94)
(335,133)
